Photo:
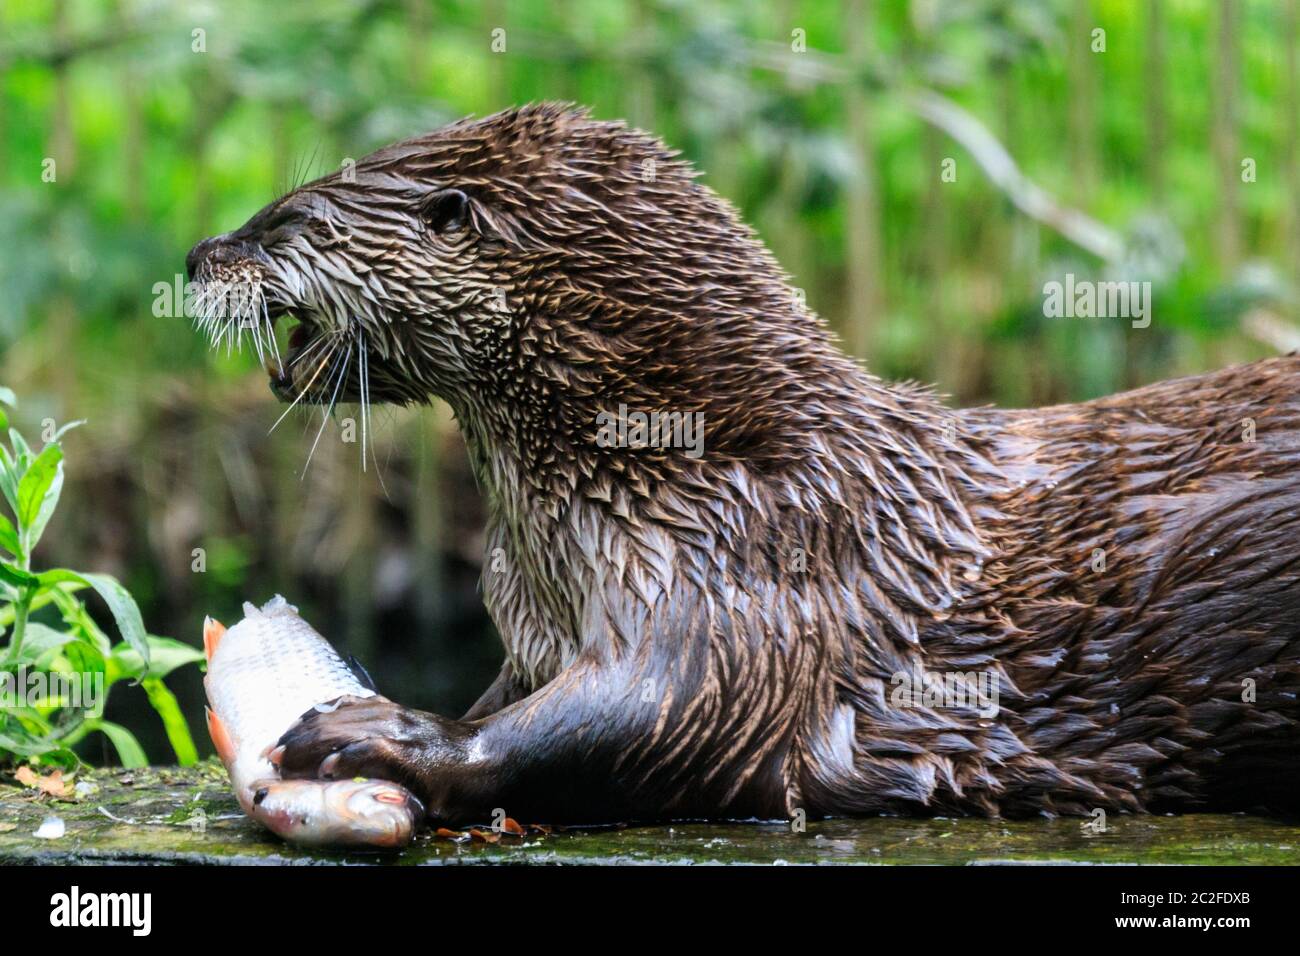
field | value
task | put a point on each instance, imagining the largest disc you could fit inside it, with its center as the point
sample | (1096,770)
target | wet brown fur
(723,636)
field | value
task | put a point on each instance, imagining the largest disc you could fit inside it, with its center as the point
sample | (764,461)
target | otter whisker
(305,171)
(210,318)
(313,346)
(301,392)
(269,326)
(366,408)
(328,362)
(300,169)
(343,360)
(225,309)
(255,333)
(361,378)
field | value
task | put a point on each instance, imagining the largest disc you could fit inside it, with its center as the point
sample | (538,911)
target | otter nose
(216,250)
(202,249)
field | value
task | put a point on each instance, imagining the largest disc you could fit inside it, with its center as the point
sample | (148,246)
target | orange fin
(220,737)
(213,632)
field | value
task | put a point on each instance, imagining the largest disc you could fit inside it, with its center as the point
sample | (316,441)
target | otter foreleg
(560,754)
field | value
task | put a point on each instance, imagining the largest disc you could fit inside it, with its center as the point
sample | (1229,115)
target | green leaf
(165,655)
(125,611)
(9,475)
(25,746)
(32,722)
(22,452)
(39,642)
(9,537)
(118,599)
(15,576)
(75,615)
(45,595)
(84,658)
(128,748)
(48,503)
(178,731)
(38,494)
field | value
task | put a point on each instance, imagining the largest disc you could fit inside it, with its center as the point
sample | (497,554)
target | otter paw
(360,737)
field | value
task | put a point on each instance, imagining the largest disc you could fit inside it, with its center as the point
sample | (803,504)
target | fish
(264,673)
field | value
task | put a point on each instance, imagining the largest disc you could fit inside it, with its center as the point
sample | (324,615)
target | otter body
(855,600)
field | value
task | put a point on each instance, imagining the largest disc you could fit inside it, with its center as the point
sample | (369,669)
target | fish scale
(276,667)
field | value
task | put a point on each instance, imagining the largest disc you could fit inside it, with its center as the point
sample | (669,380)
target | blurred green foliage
(169,121)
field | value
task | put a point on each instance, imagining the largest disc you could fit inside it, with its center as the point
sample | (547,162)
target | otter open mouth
(296,374)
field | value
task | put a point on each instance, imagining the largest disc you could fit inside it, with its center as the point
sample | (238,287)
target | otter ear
(446,210)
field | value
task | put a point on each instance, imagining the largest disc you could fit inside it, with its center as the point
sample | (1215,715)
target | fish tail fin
(213,632)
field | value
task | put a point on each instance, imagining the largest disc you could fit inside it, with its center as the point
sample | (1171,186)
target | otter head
(535,268)
(394,269)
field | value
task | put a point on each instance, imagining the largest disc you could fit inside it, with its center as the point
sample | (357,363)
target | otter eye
(446,210)
(283,225)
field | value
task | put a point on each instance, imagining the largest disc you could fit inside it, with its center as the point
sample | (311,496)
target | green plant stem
(21,610)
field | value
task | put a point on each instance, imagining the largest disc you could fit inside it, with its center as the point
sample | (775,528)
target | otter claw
(327,766)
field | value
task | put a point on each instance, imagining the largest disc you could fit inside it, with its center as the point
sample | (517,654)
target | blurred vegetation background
(1163,148)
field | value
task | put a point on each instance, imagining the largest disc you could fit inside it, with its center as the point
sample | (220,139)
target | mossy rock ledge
(188,815)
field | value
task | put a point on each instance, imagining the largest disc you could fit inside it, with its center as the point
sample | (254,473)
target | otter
(810,614)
